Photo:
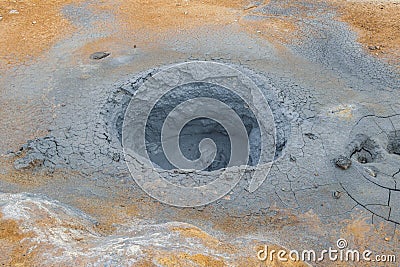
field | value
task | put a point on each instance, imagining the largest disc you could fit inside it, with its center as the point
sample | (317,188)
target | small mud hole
(364,149)
(394,142)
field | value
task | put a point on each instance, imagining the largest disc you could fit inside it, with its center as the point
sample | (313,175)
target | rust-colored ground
(29,27)
(34,26)
(39,24)
(377,24)
(13,251)
(22,119)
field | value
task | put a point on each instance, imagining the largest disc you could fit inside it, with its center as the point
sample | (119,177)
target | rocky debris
(99,55)
(343,162)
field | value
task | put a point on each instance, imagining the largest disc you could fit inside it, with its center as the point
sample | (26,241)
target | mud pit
(329,98)
(198,129)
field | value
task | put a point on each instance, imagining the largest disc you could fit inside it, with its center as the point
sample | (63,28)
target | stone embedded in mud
(336,194)
(343,162)
(371,172)
(99,55)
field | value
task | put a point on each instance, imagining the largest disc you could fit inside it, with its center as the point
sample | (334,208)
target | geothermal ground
(330,72)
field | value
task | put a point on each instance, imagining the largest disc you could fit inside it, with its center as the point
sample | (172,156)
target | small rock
(374,47)
(13,11)
(10,152)
(336,194)
(1,18)
(251,6)
(387,239)
(311,136)
(116,157)
(99,55)
(227,197)
(370,172)
(362,159)
(343,162)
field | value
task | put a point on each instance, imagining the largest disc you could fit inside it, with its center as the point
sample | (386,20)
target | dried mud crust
(373,181)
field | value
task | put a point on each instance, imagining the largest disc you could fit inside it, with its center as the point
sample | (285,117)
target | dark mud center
(198,129)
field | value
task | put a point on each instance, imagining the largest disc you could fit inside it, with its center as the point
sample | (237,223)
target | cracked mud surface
(334,96)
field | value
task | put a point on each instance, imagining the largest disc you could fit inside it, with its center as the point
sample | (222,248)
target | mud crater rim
(120,99)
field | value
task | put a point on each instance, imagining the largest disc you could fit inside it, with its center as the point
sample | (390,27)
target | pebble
(371,172)
(116,157)
(336,194)
(13,11)
(99,55)
(343,162)
(250,6)
(374,47)
(311,136)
